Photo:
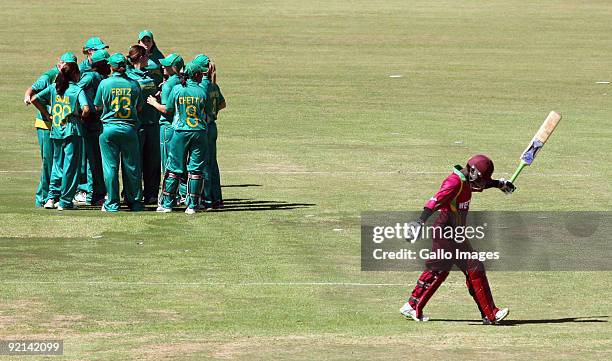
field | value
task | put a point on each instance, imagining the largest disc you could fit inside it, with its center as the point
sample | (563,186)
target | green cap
(68,58)
(94,43)
(192,68)
(172,60)
(145,33)
(202,60)
(116,60)
(100,55)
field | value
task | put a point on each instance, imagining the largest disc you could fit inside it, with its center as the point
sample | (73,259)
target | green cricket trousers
(65,171)
(212,185)
(119,141)
(184,143)
(46,154)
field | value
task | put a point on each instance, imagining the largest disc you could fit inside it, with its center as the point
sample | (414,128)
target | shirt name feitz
(190,100)
(121,91)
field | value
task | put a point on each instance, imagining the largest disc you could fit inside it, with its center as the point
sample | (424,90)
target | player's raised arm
(502,184)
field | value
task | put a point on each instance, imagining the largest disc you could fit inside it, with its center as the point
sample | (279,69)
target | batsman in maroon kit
(453,202)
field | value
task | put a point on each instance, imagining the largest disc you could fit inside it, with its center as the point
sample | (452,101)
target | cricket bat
(538,141)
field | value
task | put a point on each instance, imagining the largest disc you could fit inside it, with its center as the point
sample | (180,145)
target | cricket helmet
(480,168)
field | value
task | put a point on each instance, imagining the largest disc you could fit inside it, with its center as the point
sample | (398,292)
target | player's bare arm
(152,101)
(41,108)
(27,99)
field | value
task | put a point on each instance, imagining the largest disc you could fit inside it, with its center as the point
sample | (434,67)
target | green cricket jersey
(153,68)
(205,82)
(65,109)
(119,98)
(189,106)
(167,87)
(85,65)
(148,114)
(39,85)
(213,99)
(156,55)
(89,82)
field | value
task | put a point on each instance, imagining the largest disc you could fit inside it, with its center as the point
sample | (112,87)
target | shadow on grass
(242,205)
(230,205)
(587,319)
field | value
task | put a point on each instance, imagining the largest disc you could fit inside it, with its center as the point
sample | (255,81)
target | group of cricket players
(150,116)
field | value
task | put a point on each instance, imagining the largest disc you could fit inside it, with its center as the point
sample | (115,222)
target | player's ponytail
(135,54)
(121,69)
(66,74)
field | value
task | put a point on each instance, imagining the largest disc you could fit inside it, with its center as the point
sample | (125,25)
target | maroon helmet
(480,168)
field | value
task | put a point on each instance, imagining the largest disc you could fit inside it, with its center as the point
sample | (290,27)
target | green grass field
(315,133)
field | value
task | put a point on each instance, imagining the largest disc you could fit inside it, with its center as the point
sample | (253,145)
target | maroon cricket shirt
(452,199)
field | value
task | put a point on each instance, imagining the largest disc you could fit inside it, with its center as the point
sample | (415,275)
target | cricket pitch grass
(320,126)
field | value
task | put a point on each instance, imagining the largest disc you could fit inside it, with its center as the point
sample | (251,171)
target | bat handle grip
(518,171)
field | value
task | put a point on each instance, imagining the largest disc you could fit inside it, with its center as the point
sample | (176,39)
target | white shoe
(50,204)
(190,211)
(499,315)
(80,197)
(409,312)
(161,209)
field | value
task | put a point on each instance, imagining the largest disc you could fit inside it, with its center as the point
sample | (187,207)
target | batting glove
(506,186)
(413,231)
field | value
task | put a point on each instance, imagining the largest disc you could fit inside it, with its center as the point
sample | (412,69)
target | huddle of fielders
(150,116)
